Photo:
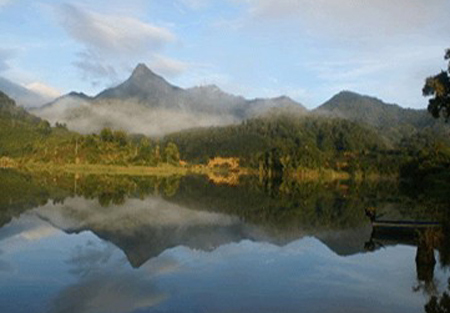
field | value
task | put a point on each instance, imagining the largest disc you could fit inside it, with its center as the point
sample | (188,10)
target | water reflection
(130,244)
(107,291)
(143,229)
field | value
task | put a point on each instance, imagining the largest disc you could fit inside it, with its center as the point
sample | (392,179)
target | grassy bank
(216,174)
(132,170)
(326,174)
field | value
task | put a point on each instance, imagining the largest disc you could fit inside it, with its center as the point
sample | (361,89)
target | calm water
(116,245)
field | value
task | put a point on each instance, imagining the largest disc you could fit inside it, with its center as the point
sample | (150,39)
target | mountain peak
(348,93)
(142,71)
(143,85)
(142,75)
(78,94)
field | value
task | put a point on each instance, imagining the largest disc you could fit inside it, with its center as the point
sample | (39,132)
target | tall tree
(172,156)
(438,87)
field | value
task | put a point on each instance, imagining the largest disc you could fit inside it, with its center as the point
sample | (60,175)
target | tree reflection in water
(427,240)
(440,303)
(283,208)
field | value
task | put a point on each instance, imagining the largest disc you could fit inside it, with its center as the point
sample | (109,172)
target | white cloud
(355,19)
(383,48)
(44,90)
(95,68)
(114,35)
(38,233)
(393,74)
(113,43)
(104,292)
(168,67)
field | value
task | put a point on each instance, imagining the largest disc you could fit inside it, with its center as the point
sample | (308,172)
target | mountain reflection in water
(124,244)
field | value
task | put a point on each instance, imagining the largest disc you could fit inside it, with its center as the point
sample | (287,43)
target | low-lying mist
(130,116)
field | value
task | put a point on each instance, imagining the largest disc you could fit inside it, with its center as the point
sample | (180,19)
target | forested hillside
(286,142)
(21,131)
(29,138)
(390,120)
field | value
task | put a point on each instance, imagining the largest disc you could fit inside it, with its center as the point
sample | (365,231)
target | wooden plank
(406,224)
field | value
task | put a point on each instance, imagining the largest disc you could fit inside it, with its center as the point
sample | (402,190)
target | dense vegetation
(22,135)
(110,148)
(390,120)
(20,131)
(289,143)
(285,204)
(274,144)
(438,88)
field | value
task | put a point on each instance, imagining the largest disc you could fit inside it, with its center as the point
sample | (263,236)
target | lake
(117,244)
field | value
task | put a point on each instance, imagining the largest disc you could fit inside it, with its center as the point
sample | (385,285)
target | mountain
(10,112)
(23,96)
(21,131)
(143,85)
(301,141)
(391,120)
(146,103)
(66,108)
(17,127)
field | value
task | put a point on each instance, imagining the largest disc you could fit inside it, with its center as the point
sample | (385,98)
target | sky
(306,49)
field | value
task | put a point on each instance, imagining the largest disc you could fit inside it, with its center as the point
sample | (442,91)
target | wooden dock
(405,224)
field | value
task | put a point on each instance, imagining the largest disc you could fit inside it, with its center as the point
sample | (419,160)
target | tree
(438,87)
(106,135)
(120,137)
(439,304)
(157,155)
(44,127)
(172,155)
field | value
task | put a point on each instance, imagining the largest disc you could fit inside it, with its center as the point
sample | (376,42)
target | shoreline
(166,170)
(132,170)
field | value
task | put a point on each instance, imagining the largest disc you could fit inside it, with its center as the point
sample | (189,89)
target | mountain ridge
(22,95)
(147,103)
(392,120)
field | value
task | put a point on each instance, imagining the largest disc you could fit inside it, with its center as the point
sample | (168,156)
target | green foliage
(120,137)
(428,170)
(44,127)
(438,88)
(21,191)
(288,205)
(284,204)
(171,154)
(23,134)
(30,138)
(157,154)
(106,135)
(278,143)
(145,153)
(391,121)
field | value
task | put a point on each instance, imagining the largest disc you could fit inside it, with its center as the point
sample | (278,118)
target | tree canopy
(438,87)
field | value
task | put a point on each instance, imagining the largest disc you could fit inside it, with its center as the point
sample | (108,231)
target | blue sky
(306,49)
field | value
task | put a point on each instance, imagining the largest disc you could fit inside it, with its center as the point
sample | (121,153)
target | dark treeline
(109,147)
(20,191)
(24,136)
(274,144)
(284,143)
(283,203)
